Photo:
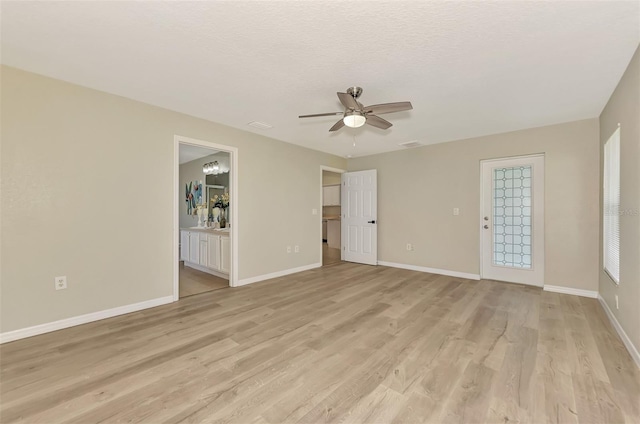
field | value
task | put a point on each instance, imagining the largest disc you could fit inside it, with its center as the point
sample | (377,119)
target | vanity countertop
(218,231)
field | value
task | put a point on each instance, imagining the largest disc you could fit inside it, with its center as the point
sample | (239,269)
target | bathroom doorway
(205,217)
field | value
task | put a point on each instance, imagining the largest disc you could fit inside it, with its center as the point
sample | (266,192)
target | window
(611,204)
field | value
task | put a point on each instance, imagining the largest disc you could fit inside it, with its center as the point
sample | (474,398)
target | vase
(223,218)
(216,214)
(202,214)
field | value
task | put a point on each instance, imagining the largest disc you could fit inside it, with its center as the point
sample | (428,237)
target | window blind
(611,204)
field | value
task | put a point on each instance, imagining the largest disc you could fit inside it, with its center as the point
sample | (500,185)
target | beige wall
(77,199)
(189,172)
(418,188)
(624,108)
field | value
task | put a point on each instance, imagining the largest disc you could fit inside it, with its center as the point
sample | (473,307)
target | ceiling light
(211,168)
(354,119)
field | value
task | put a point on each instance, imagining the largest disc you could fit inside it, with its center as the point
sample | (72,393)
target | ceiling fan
(356,115)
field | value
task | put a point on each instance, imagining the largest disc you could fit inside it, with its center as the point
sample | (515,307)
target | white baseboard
(276,274)
(568,290)
(23,333)
(625,339)
(431,270)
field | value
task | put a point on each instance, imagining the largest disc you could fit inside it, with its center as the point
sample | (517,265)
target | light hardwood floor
(330,255)
(193,281)
(346,343)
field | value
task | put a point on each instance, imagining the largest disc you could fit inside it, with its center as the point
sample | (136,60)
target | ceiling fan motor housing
(354,91)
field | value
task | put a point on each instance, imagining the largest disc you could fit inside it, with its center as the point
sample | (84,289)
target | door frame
(482,208)
(233,193)
(337,171)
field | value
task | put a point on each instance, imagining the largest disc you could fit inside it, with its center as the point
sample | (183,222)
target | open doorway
(331,215)
(205,217)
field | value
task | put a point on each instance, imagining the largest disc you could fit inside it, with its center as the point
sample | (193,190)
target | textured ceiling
(469,68)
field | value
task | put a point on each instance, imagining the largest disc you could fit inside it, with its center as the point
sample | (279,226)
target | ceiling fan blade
(337,125)
(378,122)
(321,114)
(388,107)
(348,101)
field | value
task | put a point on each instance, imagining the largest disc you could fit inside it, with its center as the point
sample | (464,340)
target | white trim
(568,290)
(530,155)
(431,270)
(330,169)
(337,171)
(635,355)
(23,333)
(277,274)
(233,192)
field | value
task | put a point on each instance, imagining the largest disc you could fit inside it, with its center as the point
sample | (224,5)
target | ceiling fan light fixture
(354,119)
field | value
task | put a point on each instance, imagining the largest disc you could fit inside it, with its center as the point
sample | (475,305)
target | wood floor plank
(559,401)
(517,377)
(469,401)
(582,346)
(380,406)
(587,406)
(346,343)
(352,388)
(415,409)
(443,374)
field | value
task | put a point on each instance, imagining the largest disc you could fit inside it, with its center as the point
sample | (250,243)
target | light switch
(314,211)
(456,211)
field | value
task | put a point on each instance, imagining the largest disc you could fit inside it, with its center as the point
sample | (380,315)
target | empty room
(320,211)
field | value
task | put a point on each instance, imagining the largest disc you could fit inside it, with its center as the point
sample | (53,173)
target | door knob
(371,222)
(486,227)
(486,218)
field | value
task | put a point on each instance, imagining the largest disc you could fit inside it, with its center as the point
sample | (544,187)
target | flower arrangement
(221,202)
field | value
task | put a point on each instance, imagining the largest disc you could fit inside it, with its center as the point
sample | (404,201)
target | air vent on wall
(260,125)
(410,144)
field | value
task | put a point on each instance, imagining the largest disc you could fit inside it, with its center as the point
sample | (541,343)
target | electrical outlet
(617,304)
(409,246)
(296,249)
(456,211)
(288,249)
(60,282)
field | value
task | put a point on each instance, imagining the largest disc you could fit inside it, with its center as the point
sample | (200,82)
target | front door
(512,220)
(359,215)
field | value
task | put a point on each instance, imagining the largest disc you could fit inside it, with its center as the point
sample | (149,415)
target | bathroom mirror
(212,190)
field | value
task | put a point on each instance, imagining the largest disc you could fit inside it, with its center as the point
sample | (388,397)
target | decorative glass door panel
(512,200)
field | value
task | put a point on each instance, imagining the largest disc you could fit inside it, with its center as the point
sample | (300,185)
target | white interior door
(359,215)
(512,220)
